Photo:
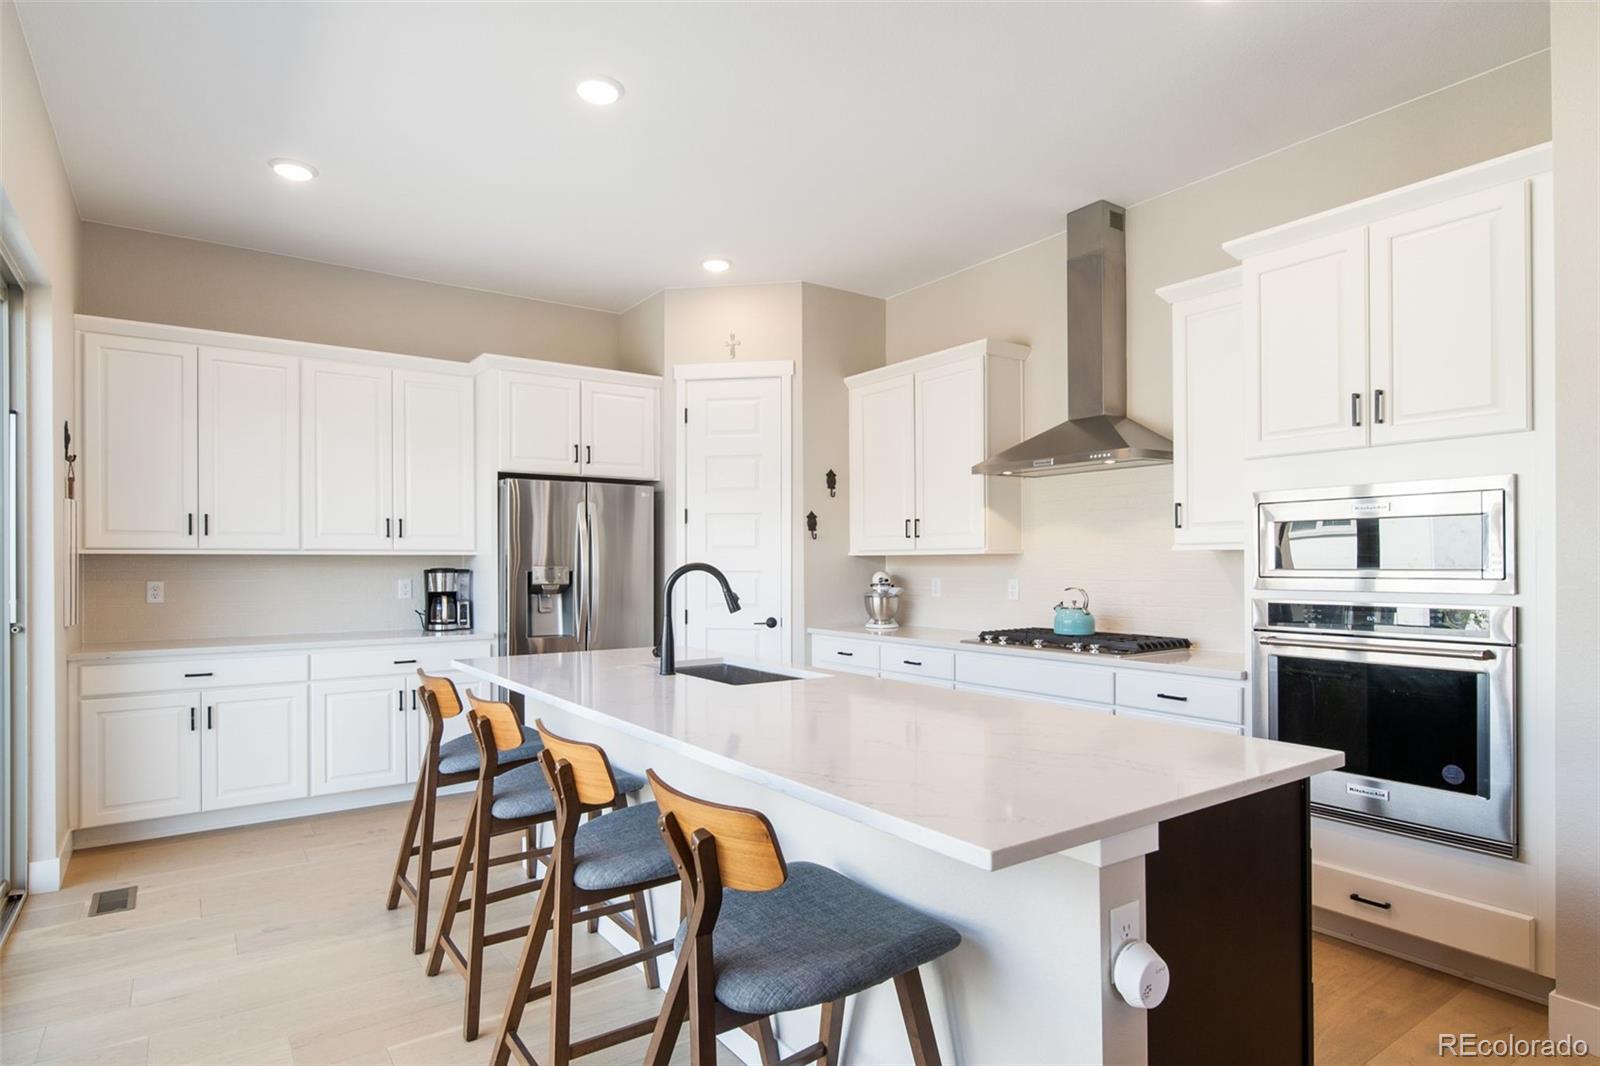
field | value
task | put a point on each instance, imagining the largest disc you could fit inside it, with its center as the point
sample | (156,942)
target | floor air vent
(112,900)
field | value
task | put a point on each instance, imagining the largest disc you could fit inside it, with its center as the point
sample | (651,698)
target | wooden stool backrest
(504,731)
(591,770)
(748,856)
(441,691)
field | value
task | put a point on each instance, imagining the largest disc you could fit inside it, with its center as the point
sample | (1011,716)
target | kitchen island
(1023,824)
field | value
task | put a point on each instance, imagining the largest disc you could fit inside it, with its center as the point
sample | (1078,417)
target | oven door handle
(1477,654)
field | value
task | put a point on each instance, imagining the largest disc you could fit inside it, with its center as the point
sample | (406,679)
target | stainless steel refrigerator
(577,565)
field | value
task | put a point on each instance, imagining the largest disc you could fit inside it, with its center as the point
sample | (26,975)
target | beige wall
(154,278)
(39,228)
(641,335)
(1111,532)
(1575,70)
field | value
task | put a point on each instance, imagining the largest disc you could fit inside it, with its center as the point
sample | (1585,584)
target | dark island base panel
(1228,905)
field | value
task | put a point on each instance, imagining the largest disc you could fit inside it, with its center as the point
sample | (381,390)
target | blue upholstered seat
(620,848)
(818,937)
(459,755)
(522,793)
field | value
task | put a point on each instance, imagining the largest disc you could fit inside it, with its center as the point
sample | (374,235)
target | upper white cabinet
(1397,319)
(575,421)
(140,445)
(433,468)
(916,430)
(249,417)
(1210,504)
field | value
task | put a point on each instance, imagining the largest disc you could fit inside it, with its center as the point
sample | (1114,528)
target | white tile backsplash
(1110,533)
(250,595)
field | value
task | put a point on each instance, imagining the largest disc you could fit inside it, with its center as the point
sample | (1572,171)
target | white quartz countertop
(242,645)
(989,780)
(1229,665)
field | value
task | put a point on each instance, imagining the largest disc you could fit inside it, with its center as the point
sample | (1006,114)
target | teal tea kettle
(1072,617)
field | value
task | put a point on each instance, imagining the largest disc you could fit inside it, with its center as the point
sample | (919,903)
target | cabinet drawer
(932,663)
(1067,681)
(169,674)
(1178,719)
(917,679)
(393,659)
(1151,690)
(844,652)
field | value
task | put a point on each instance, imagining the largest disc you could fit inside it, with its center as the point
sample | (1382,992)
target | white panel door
(619,431)
(949,436)
(139,443)
(253,746)
(1305,347)
(359,733)
(883,482)
(1211,508)
(433,473)
(733,492)
(539,424)
(347,455)
(139,757)
(249,453)
(1450,336)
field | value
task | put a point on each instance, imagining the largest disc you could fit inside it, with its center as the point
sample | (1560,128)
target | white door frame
(782,369)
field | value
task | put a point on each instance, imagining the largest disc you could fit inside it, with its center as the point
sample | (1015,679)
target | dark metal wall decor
(833,483)
(811,523)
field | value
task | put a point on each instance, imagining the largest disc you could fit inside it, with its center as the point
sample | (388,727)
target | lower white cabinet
(252,746)
(360,733)
(139,757)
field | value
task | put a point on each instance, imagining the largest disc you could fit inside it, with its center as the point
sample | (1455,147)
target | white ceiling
(872,147)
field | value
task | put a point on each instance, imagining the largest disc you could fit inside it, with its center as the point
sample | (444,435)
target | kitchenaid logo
(1044,462)
(1371,506)
(1367,790)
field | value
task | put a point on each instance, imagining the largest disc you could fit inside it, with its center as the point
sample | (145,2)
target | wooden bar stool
(763,936)
(452,762)
(595,862)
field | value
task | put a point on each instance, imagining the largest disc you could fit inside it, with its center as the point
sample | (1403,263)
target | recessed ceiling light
(717,266)
(600,91)
(293,170)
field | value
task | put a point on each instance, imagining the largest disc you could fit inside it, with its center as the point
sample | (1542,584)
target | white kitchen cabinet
(347,444)
(433,470)
(1210,504)
(360,733)
(540,424)
(139,757)
(249,450)
(253,746)
(916,430)
(1305,347)
(1450,310)
(619,430)
(140,433)
(1178,719)
(883,465)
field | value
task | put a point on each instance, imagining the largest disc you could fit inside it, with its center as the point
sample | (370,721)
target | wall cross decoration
(733,343)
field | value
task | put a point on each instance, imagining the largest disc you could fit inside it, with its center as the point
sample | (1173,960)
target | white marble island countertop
(991,781)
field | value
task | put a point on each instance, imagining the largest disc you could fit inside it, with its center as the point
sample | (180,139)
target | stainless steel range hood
(1097,433)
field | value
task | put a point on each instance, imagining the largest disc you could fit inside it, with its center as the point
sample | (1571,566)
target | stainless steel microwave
(1423,536)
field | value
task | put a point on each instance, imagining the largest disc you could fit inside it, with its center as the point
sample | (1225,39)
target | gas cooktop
(1094,644)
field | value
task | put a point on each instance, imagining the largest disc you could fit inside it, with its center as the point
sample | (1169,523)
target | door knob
(770,623)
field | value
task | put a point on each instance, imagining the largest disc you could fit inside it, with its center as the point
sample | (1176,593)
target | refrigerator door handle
(583,579)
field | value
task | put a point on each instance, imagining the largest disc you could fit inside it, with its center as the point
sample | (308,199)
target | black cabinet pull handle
(1359,898)
(911,662)
(908,529)
(205,524)
(191,523)
(401,526)
(916,527)
(413,699)
(846,654)
(1167,696)
(400,701)
(405,662)
(204,673)
(1355,408)
(191,719)
(1177,516)
(574,453)
(208,716)
(1377,406)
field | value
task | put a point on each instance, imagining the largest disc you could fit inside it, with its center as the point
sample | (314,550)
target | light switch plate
(155,592)
(1124,925)
(403,588)
(1013,590)
(937,589)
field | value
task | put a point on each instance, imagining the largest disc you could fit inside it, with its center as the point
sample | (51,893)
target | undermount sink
(729,674)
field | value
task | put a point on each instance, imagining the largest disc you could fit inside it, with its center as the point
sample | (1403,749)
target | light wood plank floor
(270,944)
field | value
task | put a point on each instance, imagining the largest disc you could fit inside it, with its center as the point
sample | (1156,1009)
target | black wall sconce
(833,483)
(811,523)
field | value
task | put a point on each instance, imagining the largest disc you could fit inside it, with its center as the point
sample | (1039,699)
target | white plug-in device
(1140,975)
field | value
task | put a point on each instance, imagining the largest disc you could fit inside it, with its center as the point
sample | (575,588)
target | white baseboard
(1577,1019)
(48,875)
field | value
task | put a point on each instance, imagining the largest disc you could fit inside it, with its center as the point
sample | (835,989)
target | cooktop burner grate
(1094,644)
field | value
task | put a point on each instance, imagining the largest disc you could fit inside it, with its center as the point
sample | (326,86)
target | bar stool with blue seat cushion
(593,865)
(452,762)
(763,936)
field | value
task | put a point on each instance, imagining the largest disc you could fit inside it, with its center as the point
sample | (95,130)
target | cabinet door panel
(347,452)
(949,440)
(1212,507)
(253,746)
(1305,345)
(539,420)
(882,485)
(139,757)
(249,455)
(1450,334)
(359,732)
(140,433)
(619,430)
(433,472)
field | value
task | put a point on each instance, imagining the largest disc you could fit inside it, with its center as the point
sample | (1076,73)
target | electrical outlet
(937,589)
(403,588)
(155,592)
(1124,925)
(1013,590)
